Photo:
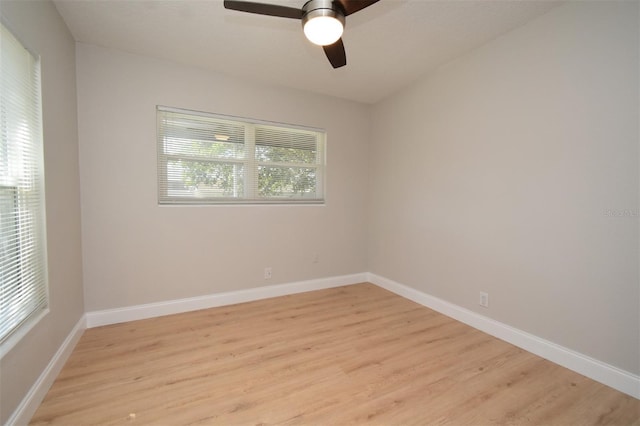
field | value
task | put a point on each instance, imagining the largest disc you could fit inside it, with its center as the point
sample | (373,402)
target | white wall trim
(151,310)
(614,377)
(30,403)
(599,371)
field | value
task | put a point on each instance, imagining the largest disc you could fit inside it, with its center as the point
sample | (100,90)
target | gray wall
(505,171)
(138,252)
(39,26)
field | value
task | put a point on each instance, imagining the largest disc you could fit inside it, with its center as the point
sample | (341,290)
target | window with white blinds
(211,159)
(23,277)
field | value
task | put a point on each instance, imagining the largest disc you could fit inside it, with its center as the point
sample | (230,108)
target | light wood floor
(349,355)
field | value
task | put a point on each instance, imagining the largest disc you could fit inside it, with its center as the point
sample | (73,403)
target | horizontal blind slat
(208,159)
(23,286)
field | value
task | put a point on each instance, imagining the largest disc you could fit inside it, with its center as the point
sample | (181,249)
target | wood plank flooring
(343,356)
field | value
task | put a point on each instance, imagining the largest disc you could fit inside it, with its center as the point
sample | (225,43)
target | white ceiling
(389,44)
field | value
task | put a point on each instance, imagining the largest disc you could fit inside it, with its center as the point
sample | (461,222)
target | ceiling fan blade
(352,6)
(263,9)
(336,54)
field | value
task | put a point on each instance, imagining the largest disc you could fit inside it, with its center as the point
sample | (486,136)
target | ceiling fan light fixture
(322,23)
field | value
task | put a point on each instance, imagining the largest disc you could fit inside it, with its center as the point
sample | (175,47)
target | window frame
(249,162)
(28,240)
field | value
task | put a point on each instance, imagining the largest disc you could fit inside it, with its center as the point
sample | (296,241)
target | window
(211,159)
(23,277)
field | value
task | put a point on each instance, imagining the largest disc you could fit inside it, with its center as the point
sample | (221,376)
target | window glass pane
(9,255)
(276,154)
(285,137)
(195,136)
(287,182)
(200,148)
(201,179)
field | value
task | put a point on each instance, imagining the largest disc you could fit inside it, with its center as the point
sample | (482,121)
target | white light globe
(323,30)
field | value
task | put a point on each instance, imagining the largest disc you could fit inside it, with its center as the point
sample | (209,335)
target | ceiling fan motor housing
(315,8)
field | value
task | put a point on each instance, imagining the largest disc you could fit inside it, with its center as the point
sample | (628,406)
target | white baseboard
(616,378)
(151,310)
(599,371)
(30,403)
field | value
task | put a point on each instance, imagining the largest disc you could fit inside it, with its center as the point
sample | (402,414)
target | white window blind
(23,277)
(209,159)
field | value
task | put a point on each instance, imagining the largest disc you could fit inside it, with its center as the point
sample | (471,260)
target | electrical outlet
(316,258)
(267,273)
(484,299)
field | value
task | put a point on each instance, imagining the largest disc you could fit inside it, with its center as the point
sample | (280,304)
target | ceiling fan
(322,21)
